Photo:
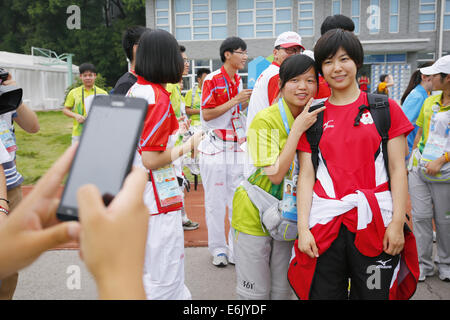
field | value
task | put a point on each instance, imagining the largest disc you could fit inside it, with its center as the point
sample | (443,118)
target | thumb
(90,204)
(57,235)
(315,250)
(385,242)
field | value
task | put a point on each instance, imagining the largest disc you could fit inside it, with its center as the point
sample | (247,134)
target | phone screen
(105,153)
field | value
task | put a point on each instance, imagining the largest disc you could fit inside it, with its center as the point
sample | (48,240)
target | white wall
(43,86)
(42,90)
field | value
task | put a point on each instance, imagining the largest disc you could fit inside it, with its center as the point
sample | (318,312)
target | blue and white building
(396,35)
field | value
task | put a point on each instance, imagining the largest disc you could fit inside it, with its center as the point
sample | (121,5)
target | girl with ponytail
(412,100)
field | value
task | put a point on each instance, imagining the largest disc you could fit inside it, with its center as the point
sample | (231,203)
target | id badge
(434,148)
(6,137)
(238,128)
(166,186)
(289,202)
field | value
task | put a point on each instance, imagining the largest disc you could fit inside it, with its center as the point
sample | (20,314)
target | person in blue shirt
(413,98)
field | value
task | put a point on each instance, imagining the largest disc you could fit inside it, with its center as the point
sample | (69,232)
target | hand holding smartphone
(106,150)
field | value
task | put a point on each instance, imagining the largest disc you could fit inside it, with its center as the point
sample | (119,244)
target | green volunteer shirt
(194,104)
(175,97)
(424,118)
(75,102)
(266,138)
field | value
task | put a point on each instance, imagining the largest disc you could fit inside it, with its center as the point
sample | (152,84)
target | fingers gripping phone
(106,150)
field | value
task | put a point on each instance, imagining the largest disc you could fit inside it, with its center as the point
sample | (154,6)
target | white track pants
(221,175)
(164,258)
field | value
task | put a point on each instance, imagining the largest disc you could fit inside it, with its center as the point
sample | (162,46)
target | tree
(42,23)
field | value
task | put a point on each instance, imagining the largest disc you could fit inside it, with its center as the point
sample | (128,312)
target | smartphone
(106,150)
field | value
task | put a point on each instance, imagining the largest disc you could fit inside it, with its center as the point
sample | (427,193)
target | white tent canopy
(43,84)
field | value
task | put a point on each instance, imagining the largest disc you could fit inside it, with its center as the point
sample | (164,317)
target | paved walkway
(55,274)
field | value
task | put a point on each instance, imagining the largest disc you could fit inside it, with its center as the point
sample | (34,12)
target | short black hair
(230,44)
(158,58)
(328,44)
(383,77)
(296,65)
(86,67)
(202,71)
(131,37)
(338,21)
(182,48)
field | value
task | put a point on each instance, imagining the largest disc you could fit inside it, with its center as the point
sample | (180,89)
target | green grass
(37,152)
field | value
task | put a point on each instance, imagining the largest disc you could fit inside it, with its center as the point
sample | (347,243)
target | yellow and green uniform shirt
(175,97)
(194,104)
(424,118)
(266,138)
(75,102)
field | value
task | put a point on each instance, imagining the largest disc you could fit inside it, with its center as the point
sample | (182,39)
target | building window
(447,15)
(306,18)
(425,56)
(374,16)
(356,12)
(385,58)
(200,19)
(394,16)
(427,15)
(263,18)
(335,7)
(162,14)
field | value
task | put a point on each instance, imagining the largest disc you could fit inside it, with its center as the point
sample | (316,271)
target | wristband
(446,157)
(6,200)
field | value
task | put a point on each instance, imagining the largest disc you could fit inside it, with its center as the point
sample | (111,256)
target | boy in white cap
(429,174)
(266,88)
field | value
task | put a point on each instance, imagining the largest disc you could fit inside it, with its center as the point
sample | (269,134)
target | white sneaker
(424,275)
(444,278)
(220,260)
(190,225)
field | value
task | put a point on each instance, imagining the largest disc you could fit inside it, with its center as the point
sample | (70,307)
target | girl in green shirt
(261,261)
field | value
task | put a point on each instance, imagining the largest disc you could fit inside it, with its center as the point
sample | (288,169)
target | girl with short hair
(159,61)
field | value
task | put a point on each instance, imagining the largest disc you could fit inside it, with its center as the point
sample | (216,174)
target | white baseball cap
(289,39)
(442,65)
(309,53)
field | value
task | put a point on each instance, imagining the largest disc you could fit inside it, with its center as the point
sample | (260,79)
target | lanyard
(228,93)
(283,115)
(82,94)
(285,120)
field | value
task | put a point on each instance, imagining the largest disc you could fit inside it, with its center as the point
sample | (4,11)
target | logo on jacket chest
(366,118)
(328,124)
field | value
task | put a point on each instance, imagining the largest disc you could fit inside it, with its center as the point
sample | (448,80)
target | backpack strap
(379,109)
(313,135)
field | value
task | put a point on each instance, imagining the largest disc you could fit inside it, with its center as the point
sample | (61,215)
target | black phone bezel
(68,213)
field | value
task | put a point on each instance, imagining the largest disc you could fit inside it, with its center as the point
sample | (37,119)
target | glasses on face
(293,50)
(242,53)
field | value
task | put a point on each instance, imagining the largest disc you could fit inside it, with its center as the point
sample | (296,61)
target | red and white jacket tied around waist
(374,213)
